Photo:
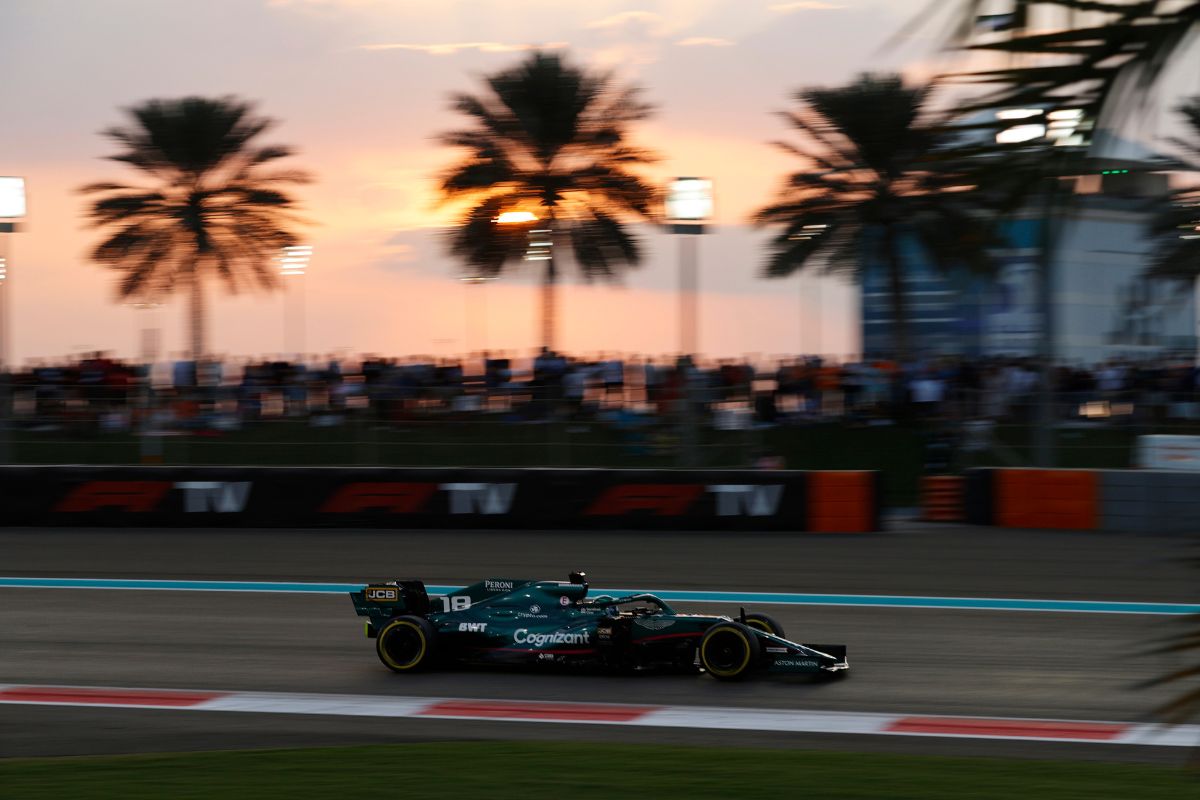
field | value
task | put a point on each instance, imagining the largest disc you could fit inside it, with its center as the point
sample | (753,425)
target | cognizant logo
(523,636)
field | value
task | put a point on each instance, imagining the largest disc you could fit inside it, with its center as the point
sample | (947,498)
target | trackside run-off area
(653,716)
(985,663)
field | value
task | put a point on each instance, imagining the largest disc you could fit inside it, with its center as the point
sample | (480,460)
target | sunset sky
(360,87)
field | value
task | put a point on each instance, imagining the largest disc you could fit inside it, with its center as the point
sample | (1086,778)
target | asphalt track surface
(924,661)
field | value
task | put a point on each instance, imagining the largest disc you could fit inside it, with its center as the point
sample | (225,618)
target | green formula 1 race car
(510,621)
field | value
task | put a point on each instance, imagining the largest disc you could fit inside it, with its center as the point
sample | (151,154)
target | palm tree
(1177,228)
(215,207)
(1176,231)
(1183,642)
(551,139)
(1099,56)
(875,183)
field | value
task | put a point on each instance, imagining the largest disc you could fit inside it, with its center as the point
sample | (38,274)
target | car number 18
(456,603)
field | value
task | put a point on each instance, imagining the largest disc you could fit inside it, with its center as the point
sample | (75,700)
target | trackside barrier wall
(1138,501)
(943,498)
(1150,501)
(781,500)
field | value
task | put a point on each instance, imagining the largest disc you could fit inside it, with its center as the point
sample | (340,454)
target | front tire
(729,651)
(765,623)
(406,644)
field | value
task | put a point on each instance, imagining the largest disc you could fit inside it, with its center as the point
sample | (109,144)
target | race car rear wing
(382,601)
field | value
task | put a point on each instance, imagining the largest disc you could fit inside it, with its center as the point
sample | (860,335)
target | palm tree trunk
(196,318)
(898,298)
(1054,217)
(549,304)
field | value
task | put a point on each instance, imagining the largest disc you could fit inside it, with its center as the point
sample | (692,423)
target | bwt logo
(219,496)
(752,500)
(480,498)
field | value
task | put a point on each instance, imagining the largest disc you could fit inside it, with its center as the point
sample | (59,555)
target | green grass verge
(579,772)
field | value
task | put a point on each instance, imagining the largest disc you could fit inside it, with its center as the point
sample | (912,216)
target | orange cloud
(625,17)
(704,41)
(804,5)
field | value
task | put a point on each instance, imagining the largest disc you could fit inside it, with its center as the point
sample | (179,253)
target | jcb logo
(752,500)
(382,594)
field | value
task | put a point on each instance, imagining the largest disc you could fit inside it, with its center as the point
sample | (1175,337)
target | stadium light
(516,217)
(1020,133)
(690,201)
(294,260)
(12,198)
(1018,113)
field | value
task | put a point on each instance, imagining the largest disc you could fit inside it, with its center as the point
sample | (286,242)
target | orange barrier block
(841,502)
(942,498)
(1047,498)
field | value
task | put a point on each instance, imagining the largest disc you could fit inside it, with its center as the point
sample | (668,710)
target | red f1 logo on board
(391,496)
(663,499)
(136,496)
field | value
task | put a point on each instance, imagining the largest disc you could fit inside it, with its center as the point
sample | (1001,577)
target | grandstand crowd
(102,392)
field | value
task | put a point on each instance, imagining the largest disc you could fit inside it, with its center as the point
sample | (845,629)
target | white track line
(693,717)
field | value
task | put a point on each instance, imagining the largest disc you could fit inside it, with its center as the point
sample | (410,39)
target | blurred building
(1103,309)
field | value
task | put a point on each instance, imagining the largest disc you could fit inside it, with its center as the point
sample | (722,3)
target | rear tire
(406,644)
(729,651)
(766,623)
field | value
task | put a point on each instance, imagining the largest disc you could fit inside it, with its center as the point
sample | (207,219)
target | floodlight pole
(298,306)
(475,315)
(149,334)
(12,210)
(688,207)
(1058,205)
(6,229)
(5,274)
(293,270)
(689,280)
(688,333)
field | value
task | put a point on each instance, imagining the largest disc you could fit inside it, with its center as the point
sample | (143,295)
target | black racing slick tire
(765,623)
(729,651)
(406,644)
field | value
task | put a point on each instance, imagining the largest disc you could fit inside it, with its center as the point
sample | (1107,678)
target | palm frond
(880,176)
(1175,228)
(602,246)
(547,135)
(216,207)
